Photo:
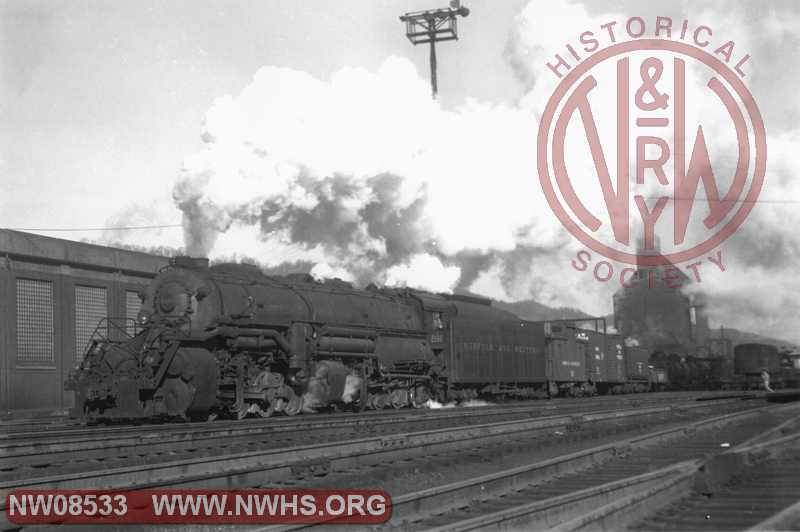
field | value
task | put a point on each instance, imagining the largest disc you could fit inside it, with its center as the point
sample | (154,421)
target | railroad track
(12,428)
(275,467)
(9,423)
(267,467)
(611,485)
(31,455)
(755,486)
(26,455)
(36,428)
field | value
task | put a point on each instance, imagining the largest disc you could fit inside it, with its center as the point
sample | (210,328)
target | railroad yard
(399,266)
(670,460)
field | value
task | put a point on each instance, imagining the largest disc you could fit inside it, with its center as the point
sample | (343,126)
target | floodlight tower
(432,26)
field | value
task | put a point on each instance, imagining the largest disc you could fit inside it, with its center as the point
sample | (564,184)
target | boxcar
(566,355)
(494,351)
(749,360)
(510,351)
(752,359)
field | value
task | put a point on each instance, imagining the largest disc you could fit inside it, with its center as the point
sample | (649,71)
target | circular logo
(651,142)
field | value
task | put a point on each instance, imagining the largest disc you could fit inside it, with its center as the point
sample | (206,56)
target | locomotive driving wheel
(398,398)
(293,403)
(419,396)
(293,406)
(239,409)
(267,412)
(178,395)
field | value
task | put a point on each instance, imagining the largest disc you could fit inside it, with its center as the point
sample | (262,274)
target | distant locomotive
(229,340)
(687,372)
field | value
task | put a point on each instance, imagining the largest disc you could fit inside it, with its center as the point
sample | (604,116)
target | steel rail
(726,505)
(50,449)
(27,458)
(609,505)
(409,508)
(18,429)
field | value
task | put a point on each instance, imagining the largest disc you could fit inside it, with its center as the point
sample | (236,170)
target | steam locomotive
(228,340)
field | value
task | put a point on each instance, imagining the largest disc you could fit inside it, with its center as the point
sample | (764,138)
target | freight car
(791,368)
(229,340)
(641,374)
(752,360)
(687,372)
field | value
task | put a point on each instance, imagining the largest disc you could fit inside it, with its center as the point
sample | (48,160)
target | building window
(35,323)
(132,307)
(91,306)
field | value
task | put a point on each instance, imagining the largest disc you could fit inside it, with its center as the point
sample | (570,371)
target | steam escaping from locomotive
(436,405)
(203,220)
(368,177)
(433,404)
(352,386)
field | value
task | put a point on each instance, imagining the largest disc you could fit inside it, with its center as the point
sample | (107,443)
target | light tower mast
(431,26)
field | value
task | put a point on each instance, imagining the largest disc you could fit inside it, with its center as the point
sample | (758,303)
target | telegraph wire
(708,200)
(75,229)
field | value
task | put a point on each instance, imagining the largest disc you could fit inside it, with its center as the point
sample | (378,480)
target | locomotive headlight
(143,317)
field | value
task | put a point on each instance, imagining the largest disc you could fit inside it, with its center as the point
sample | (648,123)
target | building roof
(18,245)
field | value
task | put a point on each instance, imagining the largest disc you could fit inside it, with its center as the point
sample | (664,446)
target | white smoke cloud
(323,270)
(365,174)
(425,272)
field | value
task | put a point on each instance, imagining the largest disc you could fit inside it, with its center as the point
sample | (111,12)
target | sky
(285,130)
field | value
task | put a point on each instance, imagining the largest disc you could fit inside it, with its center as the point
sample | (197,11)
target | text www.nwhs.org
(198,506)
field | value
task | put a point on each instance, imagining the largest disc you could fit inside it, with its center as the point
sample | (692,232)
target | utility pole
(431,26)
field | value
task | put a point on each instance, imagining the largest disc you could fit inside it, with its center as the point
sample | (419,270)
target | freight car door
(568,360)
(581,354)
(596,357)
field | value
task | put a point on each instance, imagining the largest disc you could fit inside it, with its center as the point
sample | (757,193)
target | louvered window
(91,306)
(35,323)
(132,306)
